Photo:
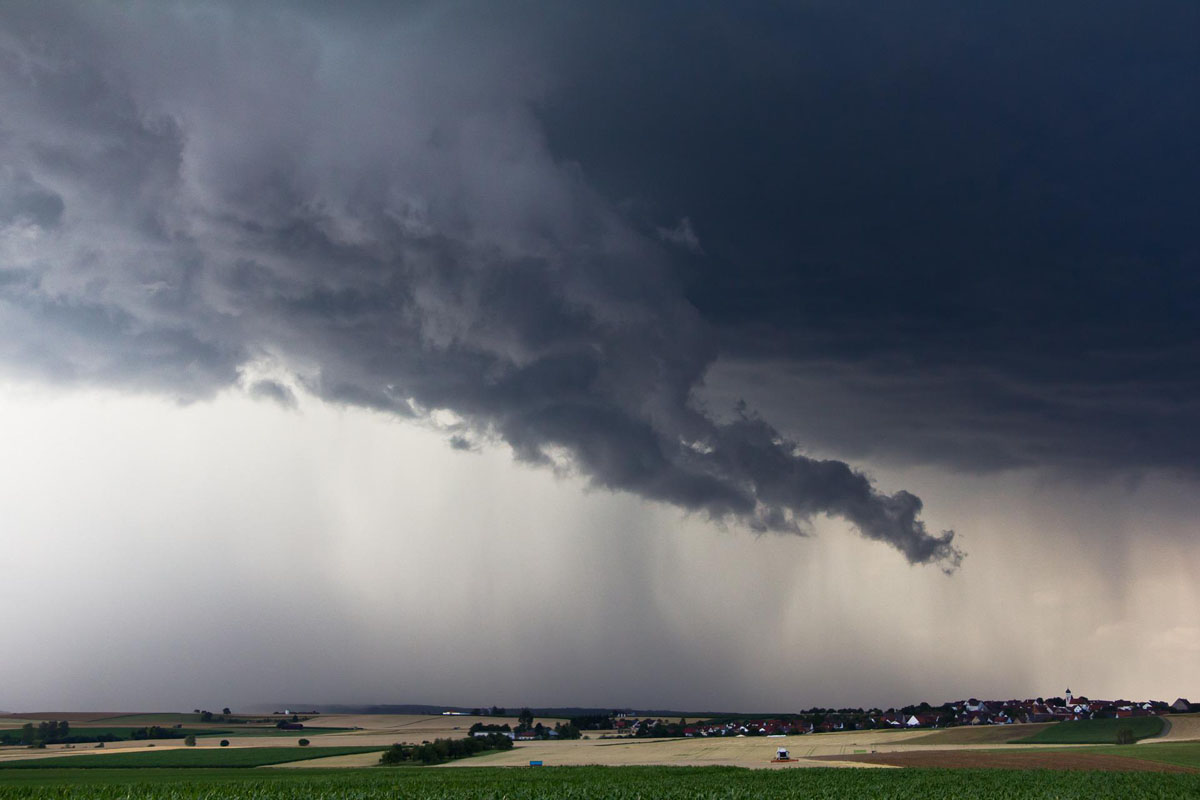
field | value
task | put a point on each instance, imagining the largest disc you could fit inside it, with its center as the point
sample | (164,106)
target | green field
(1185,754)
(189,757)
(1094,731)
(123,733)
(592,783)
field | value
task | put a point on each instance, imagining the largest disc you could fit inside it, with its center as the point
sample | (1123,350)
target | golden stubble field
(753,751)
(1184,728)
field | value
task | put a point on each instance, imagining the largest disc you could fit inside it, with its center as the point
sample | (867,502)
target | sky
(684,355)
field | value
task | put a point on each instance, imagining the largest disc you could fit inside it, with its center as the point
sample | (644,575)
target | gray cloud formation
(369,204)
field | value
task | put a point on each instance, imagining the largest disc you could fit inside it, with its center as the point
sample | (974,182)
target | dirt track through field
(1023,759)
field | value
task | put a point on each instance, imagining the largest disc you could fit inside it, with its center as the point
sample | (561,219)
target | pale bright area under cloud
(232,552)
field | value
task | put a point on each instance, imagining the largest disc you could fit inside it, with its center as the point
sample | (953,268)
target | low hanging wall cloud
(189,192)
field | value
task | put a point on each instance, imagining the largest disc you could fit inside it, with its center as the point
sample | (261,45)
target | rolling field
(1181,728)
(750,751)
(70,716)
(1114,759)
(366,734)
(981,734)
(1183,753)
(725,751)
(188,757)
(591,783)
(1094,731)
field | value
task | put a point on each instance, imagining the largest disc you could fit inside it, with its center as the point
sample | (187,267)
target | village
(1067,708)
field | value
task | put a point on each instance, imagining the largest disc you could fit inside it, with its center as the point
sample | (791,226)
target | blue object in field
(535,763)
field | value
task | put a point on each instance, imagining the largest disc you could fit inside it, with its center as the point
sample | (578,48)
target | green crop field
(122,732)
(186,757)
(1185,754)
(1094,731)
(594,783)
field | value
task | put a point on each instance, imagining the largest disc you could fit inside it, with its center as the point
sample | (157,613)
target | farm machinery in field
(782,755)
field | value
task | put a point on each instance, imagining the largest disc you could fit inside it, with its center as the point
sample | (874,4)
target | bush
(1125,736)
(224,743)
(303,742)
(189,740)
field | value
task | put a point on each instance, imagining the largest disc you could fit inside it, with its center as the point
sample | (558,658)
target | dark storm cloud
(961,232)
(368,201)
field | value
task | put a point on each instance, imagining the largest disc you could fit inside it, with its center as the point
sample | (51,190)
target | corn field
(599,783)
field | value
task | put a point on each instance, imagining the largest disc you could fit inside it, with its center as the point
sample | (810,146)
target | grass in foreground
(591,783)
(1095,731)
(190,757)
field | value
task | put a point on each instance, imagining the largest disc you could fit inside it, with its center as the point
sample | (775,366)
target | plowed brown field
(1021,759)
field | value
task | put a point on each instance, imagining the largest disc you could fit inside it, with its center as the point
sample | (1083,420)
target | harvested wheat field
(1181,728)
(1017,759)
(19,753)
(754,751)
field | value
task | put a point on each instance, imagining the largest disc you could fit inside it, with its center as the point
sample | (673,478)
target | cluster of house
(1064,709)
(633,726)
(963,712)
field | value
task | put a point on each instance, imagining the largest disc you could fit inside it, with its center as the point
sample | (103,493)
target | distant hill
(511,711)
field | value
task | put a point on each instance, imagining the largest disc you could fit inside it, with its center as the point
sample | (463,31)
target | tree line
(442,750)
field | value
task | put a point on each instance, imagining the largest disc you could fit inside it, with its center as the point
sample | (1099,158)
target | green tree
(189,740)
(224,743)
(226,710)
(567,731)
(303,742)
(28,734)
(525,719)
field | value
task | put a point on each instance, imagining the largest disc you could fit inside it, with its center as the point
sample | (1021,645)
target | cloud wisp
(373,208)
